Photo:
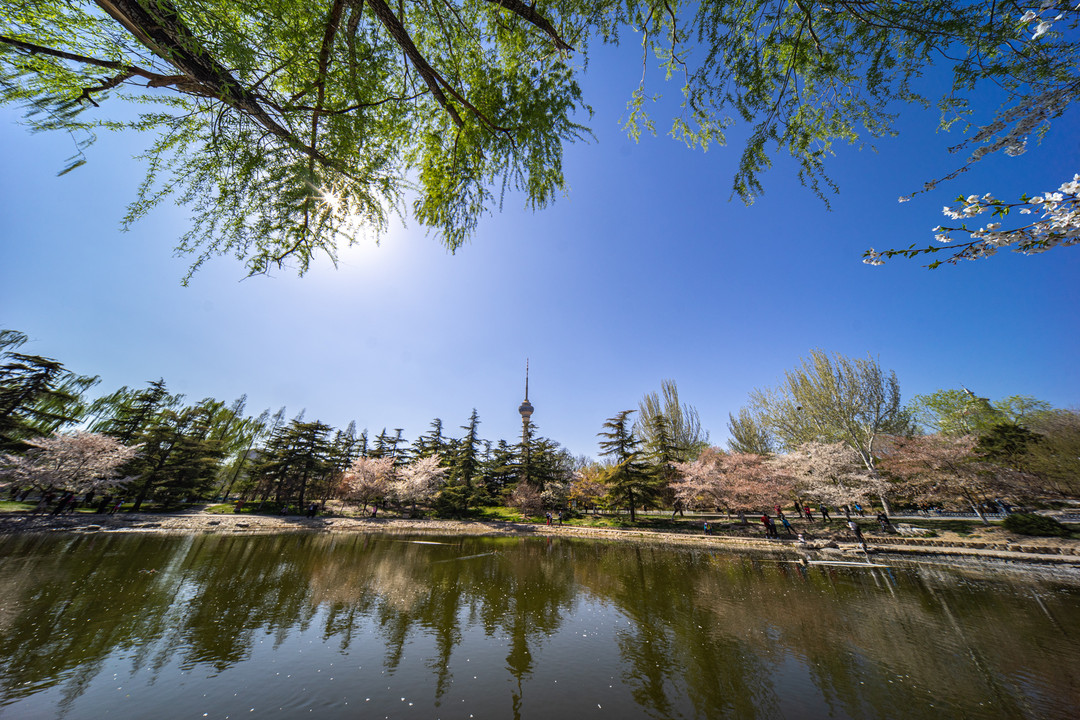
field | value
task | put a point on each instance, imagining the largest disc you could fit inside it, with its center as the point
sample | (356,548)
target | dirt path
(1024,550)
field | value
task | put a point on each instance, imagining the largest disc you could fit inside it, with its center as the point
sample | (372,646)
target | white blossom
(1058,226)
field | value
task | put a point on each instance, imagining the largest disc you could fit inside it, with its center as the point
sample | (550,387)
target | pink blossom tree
(753,484)
(78,462)
(369,480)
(527,500)
(739,481)
(938,468)
(832,473)
(700,483)
(419,481)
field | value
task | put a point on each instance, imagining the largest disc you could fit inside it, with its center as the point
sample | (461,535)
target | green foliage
(1007,444)
(832,399)
(289,138)
(1056,458)
(669,428)
(629,479)
(1036,525)
(297,458)
(748,435)
(452,501)
(37,394)
(961,412)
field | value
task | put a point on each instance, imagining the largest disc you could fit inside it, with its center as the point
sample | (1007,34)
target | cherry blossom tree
(752,483)
(740,481)
(939,468)
(832,473)
(79,462)
(419,481)
(368,480)
(701,481)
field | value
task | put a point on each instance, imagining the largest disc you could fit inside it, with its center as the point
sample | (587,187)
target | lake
(388,626)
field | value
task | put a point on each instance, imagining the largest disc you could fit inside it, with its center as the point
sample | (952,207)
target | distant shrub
(1037,525)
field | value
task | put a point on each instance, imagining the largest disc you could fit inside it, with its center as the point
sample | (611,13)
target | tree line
(150,444)
(834,432)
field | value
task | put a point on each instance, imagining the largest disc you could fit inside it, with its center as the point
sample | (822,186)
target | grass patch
(1035,525)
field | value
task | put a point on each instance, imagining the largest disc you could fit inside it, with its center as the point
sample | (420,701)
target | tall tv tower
(526,409)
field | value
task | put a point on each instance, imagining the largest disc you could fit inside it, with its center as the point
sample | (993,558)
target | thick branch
(324,64)
(52,52)
(104,85)
(401,37)
(163,33)
(526,12)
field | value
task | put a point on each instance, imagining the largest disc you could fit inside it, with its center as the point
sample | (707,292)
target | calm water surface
(123,626)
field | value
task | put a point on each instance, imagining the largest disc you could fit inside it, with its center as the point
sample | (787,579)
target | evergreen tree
(196,457)
(295,456)
(662,453)
(179,457)
(127,415)
(500,469)
(1007,444)
(37,396)
(431,443)
(252,431)
(465,459)
(343,451)
(629,479)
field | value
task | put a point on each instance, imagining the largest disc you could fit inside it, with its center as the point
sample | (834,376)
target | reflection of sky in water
(347,626)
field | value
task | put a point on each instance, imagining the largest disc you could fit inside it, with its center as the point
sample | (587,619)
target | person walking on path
(809,514)
(883,521)
(825,514)
(706,527)
(857,531)
(787,525)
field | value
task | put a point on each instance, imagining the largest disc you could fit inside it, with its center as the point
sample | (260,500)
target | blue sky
(645,271)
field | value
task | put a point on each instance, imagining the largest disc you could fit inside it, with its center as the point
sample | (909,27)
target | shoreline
(1035,551)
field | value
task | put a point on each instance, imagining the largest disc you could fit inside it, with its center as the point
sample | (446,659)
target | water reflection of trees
(505,586)
(709,635)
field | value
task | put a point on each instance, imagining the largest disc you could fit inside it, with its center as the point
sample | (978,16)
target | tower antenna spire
(526,407)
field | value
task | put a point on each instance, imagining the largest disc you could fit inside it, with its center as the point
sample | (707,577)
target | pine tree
(500,469)
(295,456)
(629,478)
(127,415)
(663,453)
(37,397)
(431,443)
(465,461)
